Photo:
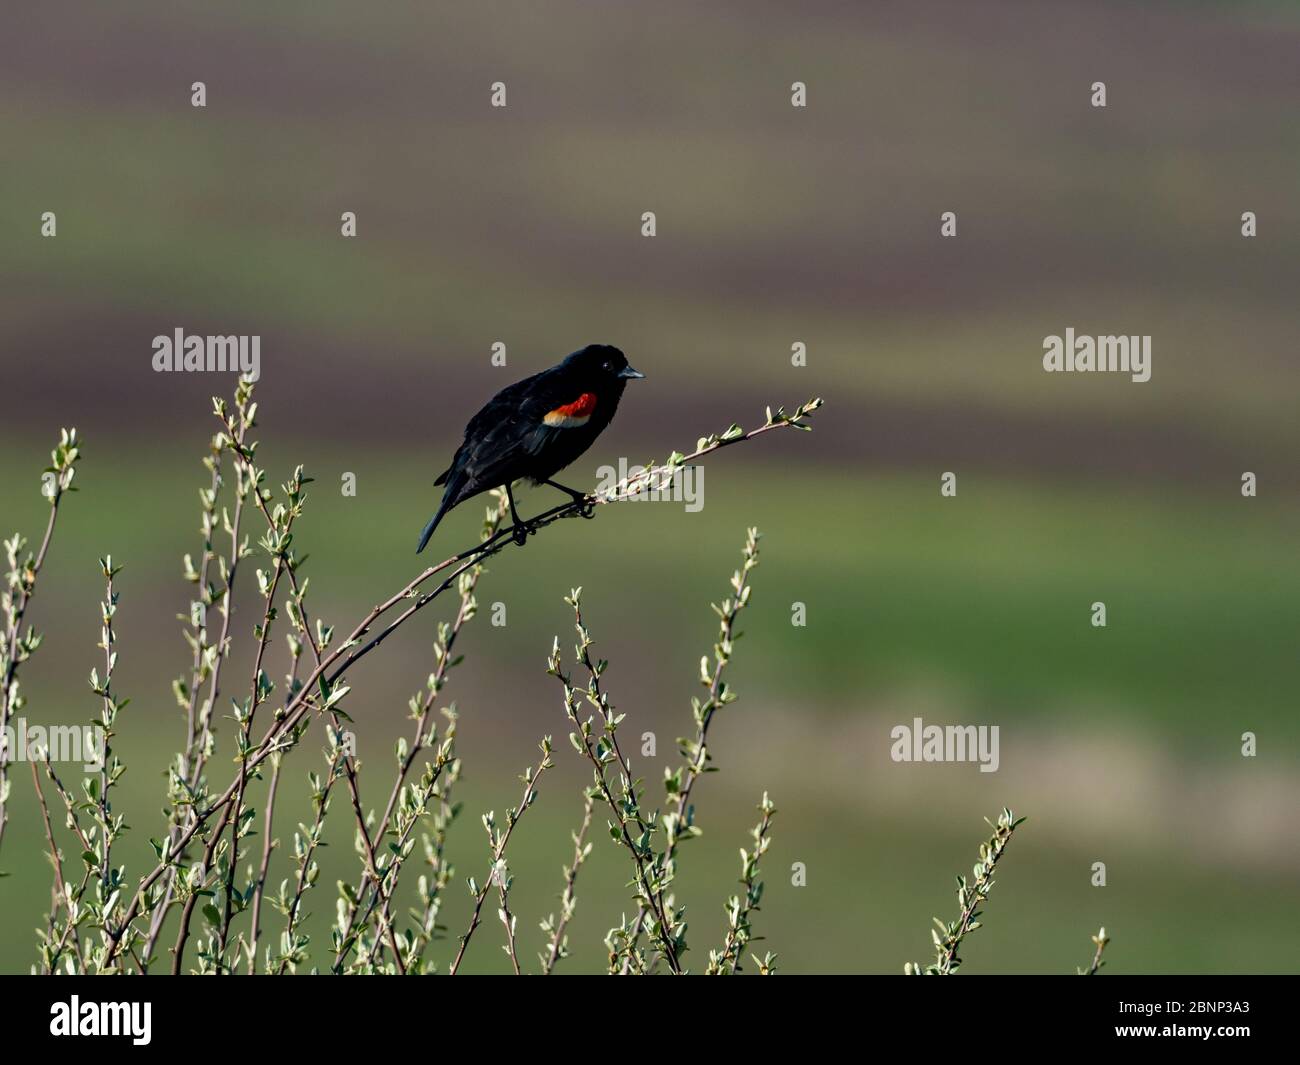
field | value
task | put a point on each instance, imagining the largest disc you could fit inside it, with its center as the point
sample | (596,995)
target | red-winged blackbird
(534,428)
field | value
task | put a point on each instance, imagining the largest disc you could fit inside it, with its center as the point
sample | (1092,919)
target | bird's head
(602,362)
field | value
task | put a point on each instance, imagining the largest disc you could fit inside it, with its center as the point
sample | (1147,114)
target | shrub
(102,922)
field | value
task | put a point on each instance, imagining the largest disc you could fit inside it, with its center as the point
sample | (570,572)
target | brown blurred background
(775,225)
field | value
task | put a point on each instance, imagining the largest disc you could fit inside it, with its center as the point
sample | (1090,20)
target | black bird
(534,428)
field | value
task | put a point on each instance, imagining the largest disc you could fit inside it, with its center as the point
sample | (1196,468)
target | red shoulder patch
(572,414)
(579,408)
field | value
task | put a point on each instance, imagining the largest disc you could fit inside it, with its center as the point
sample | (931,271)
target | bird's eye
(609,364)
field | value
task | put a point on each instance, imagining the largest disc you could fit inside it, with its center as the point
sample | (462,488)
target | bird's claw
(586,508)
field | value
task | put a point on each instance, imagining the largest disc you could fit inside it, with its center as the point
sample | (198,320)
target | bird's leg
(521,527)
(586,508)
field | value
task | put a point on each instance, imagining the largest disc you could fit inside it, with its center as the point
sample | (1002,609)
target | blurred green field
(998,633)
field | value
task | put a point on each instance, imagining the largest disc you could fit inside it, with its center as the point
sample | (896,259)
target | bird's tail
(433,524)
(449,499)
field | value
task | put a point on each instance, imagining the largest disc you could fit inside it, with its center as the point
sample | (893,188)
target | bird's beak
(627,373)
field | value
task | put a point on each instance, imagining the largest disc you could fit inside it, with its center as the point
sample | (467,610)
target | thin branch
(629,828)
(276,543)
(187,694)
(208,658)
(421,711)
(739,932)
(508,919)
(970,896)
(259,885)
(20,587)
(61,896)
(498,840)
(558,943)
(1099,940)
(679,821)
(434,883)
(187,912)
(307,870)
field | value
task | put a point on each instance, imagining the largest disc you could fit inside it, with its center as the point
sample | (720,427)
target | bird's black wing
(509,430)
(487,421)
